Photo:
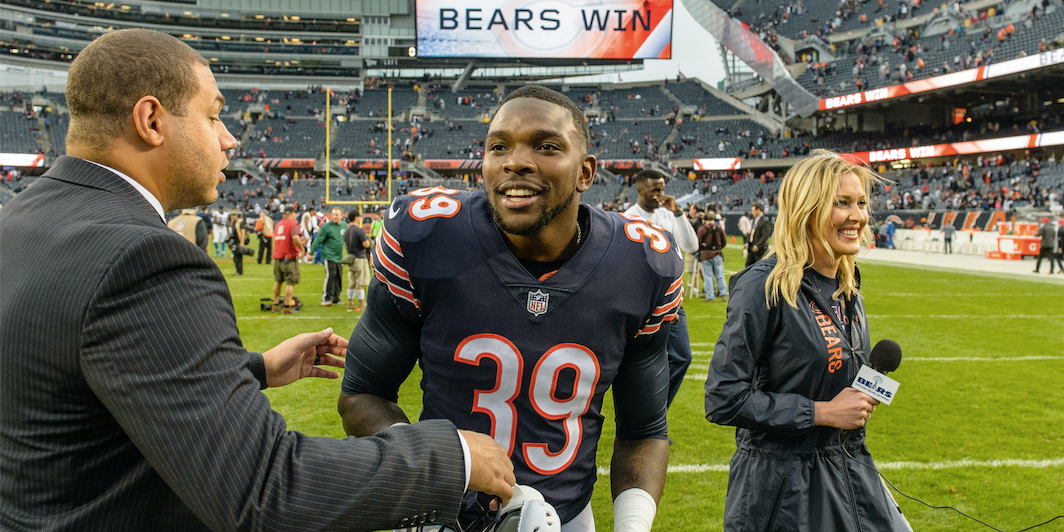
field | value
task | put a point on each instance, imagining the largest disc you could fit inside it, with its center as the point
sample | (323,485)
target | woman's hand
(849,410)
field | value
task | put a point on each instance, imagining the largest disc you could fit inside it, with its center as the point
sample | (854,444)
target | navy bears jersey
(525,360)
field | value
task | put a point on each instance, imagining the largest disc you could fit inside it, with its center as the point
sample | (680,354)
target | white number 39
(497,403)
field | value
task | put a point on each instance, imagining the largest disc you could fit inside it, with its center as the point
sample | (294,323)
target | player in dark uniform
(522,308)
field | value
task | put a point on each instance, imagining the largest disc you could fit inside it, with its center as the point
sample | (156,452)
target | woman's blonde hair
(805,201)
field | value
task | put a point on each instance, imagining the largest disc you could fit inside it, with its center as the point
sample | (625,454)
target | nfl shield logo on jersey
(537,302)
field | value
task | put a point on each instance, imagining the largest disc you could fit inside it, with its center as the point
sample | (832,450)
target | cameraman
(711,240)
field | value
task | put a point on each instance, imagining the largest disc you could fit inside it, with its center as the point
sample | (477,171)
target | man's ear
(147,113)
(587,173)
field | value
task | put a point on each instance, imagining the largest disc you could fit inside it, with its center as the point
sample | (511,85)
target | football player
(523,307)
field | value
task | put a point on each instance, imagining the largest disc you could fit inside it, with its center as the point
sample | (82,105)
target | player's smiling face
(534,166)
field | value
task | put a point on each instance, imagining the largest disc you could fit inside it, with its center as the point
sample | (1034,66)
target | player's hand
(849,410)
(491,471)
(297,357)
(669,202)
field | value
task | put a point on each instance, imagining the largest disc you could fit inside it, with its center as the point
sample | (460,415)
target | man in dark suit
(127,400)
(759,236)
(1048,232)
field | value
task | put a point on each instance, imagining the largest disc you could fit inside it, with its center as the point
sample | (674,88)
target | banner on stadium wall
(35,160)
(302,164)
(976,220)
(994,70)
(720,163)
(602,29)
(454,164)
(621,164)
(1038,140)
(367,164)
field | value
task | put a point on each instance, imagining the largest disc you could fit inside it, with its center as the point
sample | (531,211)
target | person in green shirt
(330,240)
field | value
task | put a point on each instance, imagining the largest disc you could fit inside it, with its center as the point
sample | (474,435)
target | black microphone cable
(907,496)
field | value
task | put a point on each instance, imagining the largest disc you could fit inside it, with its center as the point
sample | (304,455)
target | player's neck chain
(579,234)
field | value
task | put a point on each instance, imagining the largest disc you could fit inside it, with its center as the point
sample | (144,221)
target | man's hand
(491,471)
(669,202)
(296,357)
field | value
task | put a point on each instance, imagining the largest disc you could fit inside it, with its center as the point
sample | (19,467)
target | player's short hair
(646,175)
(540,92)
(118,69)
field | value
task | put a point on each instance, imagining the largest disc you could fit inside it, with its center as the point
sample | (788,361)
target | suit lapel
(80,172)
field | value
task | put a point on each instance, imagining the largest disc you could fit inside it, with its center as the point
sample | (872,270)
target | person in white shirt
(220,221)
(661,210)
(309,223)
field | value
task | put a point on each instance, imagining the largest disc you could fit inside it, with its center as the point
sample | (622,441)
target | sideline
(888,466)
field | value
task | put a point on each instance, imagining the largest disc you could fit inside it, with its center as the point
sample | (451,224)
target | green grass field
(977,423)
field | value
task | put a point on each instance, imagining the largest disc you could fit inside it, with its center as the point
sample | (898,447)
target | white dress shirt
(140,188)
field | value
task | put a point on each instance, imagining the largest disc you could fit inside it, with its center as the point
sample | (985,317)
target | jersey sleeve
(668,305)
(389,263)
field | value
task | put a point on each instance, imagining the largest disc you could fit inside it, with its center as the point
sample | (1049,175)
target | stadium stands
(636,102)
(291,137)
(879,61)
(19,134)
(692,93)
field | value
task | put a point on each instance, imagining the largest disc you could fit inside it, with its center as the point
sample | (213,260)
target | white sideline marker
(891,466)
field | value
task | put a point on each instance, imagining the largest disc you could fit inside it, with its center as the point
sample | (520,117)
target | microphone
(873,381)
(886,356)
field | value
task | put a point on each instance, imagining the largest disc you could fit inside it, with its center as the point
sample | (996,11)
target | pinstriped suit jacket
(126,402)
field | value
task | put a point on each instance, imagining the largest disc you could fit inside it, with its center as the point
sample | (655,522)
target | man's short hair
(540,92)
(118,69)
(758,205)
(646,175)
(352,216)
(289,209)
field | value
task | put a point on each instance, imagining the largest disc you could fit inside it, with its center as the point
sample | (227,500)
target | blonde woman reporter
(794,338)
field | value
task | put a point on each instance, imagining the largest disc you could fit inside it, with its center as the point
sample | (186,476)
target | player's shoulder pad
(636,235)
(414,216)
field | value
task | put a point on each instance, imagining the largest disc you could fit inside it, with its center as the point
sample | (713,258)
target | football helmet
(527,512)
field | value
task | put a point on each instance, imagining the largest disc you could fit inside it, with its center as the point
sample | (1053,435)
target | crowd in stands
(111,11)
(904,55)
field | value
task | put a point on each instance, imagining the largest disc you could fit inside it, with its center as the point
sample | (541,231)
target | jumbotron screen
(598,29)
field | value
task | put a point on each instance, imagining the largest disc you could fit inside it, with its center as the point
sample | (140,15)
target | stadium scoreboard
(557,29)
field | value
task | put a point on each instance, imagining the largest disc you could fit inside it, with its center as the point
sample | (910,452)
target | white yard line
(937,316)
(705,367)
(888,466)
(272,316)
